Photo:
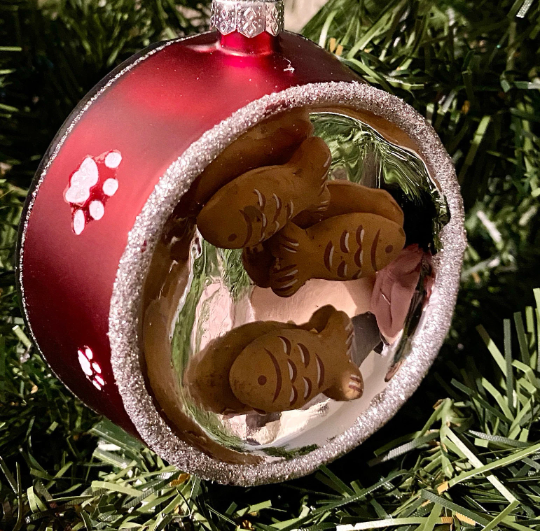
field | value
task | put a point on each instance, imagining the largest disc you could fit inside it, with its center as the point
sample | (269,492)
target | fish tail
(287,246)
(339,330)
(349,384)
(320,318)
(323,158)
(316,174)
(314,158)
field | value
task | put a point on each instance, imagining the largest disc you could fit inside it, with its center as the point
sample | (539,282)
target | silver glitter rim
(134,264)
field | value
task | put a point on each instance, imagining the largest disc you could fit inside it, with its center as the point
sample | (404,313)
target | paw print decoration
(90,187)
(91,367)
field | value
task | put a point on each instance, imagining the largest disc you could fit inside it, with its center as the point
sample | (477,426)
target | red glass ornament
(113,152)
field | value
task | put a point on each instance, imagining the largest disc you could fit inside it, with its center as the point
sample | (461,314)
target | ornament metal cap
(248,17)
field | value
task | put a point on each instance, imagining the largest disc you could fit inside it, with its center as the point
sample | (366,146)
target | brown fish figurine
(256,205)
(207,374)
(285,369)
(273,141)
(344,247)
(347,197)
(206,377)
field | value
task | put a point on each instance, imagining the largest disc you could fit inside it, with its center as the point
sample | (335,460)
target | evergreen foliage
(471,67)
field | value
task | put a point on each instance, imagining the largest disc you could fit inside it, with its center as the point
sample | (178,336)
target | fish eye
(262,380)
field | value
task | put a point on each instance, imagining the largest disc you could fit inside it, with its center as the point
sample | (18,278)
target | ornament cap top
(250,18)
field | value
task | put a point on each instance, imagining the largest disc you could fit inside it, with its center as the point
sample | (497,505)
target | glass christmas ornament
(240,252)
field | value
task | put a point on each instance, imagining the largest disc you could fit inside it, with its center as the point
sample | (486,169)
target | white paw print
(82,180)
(90,187)
(90,367)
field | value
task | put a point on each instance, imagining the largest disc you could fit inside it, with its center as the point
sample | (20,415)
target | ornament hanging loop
(250,18)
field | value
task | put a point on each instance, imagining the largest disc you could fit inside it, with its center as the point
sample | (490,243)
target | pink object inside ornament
(395,286)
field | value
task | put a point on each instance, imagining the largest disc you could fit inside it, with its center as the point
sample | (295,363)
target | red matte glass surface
(150,115)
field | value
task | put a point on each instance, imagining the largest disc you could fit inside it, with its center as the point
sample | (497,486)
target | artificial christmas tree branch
(472,459)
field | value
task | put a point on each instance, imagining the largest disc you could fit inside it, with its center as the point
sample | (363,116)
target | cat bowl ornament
(240,252)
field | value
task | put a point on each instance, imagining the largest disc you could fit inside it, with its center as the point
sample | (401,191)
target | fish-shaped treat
(347,197)
(344,247)
(286,368)
(256,205)
(207,374)
(206,377)
(272,141)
